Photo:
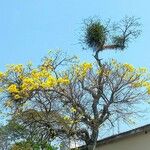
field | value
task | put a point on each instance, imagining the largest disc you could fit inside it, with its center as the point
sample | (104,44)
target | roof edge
(112,138)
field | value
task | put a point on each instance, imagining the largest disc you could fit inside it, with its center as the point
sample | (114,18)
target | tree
(16,135)
(10,133)
(4,141)
(28,145)
(68,100)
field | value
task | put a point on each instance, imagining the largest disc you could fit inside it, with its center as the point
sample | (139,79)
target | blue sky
(29,28)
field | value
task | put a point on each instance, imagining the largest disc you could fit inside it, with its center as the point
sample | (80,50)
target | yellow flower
(1,90)
(28,80)
(24,93)
(148,90)
(82,69)
(129,67)
(35,74)
(137,84)
(1,74)
(142,70)
(146,84)
(50,82)
(20,77)
(87,65)
(65,80)
(66,118)
(114,62)
(44,74)
(18,68)
(13,88)
(8,103)
(99,71)
(47,64)
(71,122)
(73,109)
(107,72)
(17,96)
(30,84)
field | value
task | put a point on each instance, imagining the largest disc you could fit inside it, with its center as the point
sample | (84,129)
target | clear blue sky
(28,28)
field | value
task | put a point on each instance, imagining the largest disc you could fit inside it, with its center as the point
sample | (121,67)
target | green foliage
(23,137)
(119,41)
(21,146)
(95,34)
(28,145)
(100,36)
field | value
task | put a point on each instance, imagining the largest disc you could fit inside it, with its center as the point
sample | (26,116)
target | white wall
(135,142)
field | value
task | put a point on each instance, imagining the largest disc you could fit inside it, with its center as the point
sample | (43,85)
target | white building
(136,139)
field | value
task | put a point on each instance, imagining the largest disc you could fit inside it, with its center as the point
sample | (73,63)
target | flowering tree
(65,99)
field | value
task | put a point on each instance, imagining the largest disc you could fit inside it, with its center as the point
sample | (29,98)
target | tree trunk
(93,141)
(91,147)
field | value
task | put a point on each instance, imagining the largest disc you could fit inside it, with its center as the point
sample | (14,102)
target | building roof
(143,129)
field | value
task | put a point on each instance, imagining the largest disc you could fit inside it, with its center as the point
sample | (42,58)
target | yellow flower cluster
(137,84)
(68,120)
(1,90)
(73,109)
(43,78)
(50,82)
(129,67)
(147,86)
(1,76)
(15,68)
(105,72)
(65,80)
(138,77)
(36,79)
(140,84)
(83,69)
(18,68)
(13,88)
(142,70)
(8,103)
(17,96)
(29,84)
